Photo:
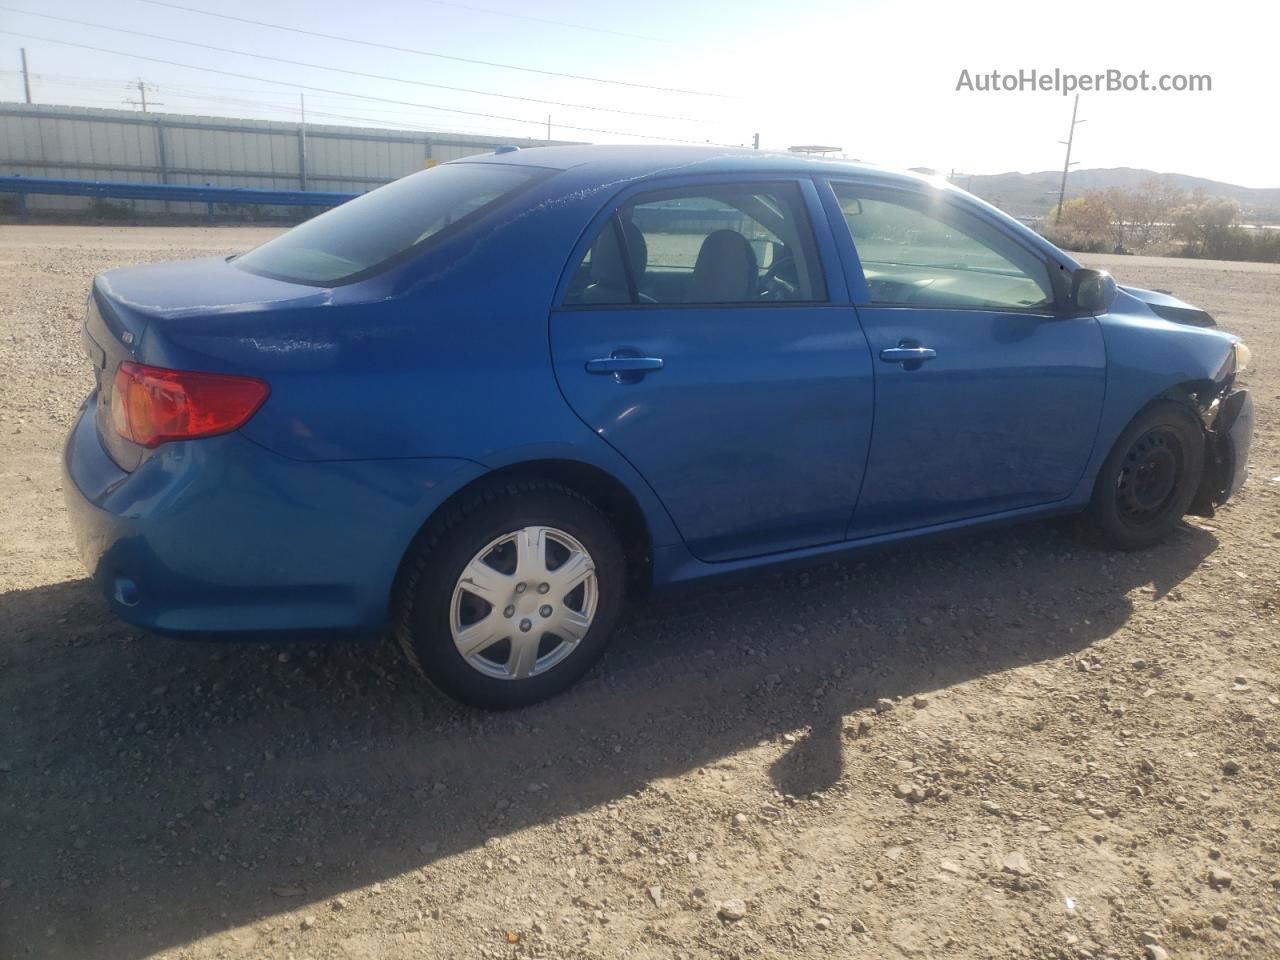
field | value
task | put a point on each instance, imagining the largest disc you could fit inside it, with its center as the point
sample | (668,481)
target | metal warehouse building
(96,144)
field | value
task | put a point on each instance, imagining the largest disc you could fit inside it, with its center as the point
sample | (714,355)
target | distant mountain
(1034,194)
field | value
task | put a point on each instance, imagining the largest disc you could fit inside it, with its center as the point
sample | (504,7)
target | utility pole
(755,141)
(548,126)
(142,94)
(26,78)
(302,142)
(1067,164)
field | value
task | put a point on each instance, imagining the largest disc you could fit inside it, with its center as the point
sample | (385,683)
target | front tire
(1149,479)
(510,596)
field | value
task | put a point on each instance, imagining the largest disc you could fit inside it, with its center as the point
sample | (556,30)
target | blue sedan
(482,405)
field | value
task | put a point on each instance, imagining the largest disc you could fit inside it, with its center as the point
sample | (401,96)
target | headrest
(725,271)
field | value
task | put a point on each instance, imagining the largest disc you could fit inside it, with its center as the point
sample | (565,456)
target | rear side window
(922,253)
(727,243)
(369,232)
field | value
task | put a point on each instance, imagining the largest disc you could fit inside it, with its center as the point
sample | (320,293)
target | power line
(429,53)
(331,69)
(554,23)
(194,91)
(106,86)
(275,109)
(344,93)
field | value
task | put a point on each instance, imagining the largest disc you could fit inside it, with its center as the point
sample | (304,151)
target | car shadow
(156,791)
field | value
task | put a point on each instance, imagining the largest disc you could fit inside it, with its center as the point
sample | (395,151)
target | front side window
(369,231)
(917,252)
(727,243)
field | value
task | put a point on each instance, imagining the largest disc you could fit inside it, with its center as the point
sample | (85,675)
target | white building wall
(84,143)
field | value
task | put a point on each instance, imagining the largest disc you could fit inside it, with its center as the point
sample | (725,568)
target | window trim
(891,193)
(825,245)
(620,236)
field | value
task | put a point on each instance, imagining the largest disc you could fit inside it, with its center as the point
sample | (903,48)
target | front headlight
(1241,354)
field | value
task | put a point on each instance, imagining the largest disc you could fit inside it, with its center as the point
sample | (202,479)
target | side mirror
(1092,290)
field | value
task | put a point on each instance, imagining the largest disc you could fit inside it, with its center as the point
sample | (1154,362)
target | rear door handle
(625,369)
(910,354)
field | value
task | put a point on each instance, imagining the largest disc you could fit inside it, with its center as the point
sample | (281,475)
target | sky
(876,79)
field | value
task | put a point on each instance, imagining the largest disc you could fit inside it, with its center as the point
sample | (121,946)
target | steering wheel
(775,286)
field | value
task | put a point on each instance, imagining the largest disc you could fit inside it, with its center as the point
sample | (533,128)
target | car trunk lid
(142,314)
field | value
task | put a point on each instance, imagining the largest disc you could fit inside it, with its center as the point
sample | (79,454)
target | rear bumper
(221,536)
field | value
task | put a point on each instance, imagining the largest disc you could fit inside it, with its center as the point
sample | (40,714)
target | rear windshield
(366,233)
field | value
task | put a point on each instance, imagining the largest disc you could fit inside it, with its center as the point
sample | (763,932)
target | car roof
(606,163)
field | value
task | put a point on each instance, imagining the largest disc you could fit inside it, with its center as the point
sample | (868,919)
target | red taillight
(151,406)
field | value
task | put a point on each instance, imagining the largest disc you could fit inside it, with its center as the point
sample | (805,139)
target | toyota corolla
(482,405)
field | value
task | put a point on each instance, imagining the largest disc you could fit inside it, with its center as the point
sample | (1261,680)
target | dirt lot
(1090,742)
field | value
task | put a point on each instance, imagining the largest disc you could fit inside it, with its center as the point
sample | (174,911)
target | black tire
(1149,479)
(423,606)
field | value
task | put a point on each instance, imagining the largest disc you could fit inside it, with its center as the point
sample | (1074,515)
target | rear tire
(1149,479)
(510,596)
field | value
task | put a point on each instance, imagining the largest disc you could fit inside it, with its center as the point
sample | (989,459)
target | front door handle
(624,364)
(625,369)
(908,353)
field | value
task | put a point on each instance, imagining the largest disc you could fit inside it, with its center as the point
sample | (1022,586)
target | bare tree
(1205,223)
(1120,202)
(1152,207)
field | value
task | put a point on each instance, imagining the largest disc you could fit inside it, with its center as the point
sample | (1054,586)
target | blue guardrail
(178,192)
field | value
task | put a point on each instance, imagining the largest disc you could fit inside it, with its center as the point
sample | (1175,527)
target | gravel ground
(1005,745)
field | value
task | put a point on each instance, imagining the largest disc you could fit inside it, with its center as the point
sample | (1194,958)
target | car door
(704,332)
(987,395)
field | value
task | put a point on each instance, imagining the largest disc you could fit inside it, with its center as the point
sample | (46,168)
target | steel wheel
(523,603)
(1149,476)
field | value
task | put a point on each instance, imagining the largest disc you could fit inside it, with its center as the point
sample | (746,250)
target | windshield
(363,234)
